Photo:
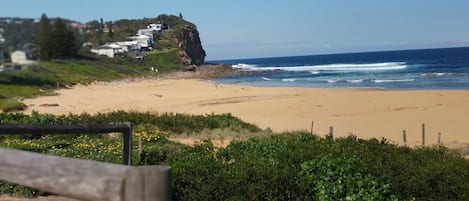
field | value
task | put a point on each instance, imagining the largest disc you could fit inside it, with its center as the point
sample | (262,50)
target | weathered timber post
(331,131)
(140,146)
(312,126)
(148,182)
(404,137)
(85,180)
(127,137)
(423,134)
(439,138)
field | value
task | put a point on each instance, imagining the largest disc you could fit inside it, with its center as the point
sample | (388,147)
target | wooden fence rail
(83,179)
(125,129)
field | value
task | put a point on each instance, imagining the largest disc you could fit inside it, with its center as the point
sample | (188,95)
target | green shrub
(8,105)
(174,123)
(304,167)
(430,173)
(290,166)
(340,178)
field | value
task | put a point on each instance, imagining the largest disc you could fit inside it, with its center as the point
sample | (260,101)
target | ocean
(446,68)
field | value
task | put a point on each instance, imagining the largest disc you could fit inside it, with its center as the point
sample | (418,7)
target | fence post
(140,146)
(404,137)
(312,126)
(423,134)
(439,138)
(145,183)
(331,131)
(127,138)
(84,179)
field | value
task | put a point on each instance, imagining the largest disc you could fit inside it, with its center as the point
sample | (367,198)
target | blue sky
(269,28)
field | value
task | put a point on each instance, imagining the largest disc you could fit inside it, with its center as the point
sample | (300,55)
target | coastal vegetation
(278,166)
(56,41)
(254,165)
(63,62)
(46,76)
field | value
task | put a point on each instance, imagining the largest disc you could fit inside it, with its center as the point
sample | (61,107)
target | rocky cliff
(181,34)
(191,51)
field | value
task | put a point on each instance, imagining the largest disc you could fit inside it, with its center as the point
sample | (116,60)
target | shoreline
(366,113)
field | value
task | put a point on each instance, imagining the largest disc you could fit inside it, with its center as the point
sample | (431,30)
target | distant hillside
(19,33)
(181,34)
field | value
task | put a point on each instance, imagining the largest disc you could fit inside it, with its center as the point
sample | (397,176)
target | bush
(173,123)
(430,173)
(290,166)
(340,178)
(7,105)
(304,167)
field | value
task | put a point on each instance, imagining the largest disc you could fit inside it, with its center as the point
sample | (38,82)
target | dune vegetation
(257,165)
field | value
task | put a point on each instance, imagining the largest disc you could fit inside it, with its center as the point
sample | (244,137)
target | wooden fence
(85,180)
(125,129)
(82,179)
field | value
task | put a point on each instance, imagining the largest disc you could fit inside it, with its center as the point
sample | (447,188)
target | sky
(271,28)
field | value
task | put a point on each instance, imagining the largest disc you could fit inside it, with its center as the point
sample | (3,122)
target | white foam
(289,80)
(355,81)
(393,80)
(315,69)
(244,66)
(266,79)
(435,74)
(315,72)
(333,81)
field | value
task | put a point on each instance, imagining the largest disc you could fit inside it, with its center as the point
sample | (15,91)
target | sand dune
(364,112)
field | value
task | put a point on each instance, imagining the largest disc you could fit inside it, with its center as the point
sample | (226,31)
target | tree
(110,32)
(43,38)
(63,43)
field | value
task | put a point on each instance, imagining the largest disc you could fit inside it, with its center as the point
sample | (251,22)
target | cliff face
(191,50)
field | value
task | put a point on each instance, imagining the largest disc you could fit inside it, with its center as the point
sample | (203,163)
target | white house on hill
(110,50)
(155,27)
(143,41)
(21,58)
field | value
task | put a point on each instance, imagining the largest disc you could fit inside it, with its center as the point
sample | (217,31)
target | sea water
(408,69)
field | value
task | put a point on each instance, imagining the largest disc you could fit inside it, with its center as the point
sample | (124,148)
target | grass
(10,94)
(220,137)
(165,60)
(256,165)
(8,105)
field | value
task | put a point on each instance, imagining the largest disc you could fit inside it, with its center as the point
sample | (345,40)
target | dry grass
(219,137)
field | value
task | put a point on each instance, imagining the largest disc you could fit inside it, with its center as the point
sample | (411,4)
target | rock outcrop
(191,50)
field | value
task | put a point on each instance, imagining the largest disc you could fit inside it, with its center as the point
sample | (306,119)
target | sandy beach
(365,113)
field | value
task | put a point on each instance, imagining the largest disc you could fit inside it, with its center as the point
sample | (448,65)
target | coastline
(366,113)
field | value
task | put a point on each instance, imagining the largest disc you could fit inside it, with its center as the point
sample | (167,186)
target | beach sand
(365,113)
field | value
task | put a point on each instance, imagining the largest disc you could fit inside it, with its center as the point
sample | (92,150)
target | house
(143,41)
(110,50)
(127,46)
(2,39)
(149,33)
(146,32)
(155,27)
(21,58)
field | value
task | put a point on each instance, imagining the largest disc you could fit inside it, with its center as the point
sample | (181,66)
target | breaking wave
(393,80)
(316,69)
